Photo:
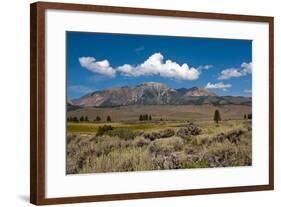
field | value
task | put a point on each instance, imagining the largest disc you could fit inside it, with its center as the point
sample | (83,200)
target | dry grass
(223,145)
(165,112)
(93,127)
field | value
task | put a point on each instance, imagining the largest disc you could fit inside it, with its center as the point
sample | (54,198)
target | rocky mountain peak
(154,85)
(196,91)
(147,93)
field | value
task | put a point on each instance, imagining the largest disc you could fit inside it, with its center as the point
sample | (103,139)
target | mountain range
(153,93)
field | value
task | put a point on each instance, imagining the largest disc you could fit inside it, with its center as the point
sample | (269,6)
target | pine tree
(98,118)
(75,119)
(146,117)
(245,116)
(249,116)
(82,118)
(108,119)
(86,119)
(217,116)
(150,118)
(141,118)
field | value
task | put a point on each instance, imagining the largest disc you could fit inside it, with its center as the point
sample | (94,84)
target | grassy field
(165,112)
(93,127)
(187,138)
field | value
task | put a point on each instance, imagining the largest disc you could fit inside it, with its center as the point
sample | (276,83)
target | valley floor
(164,112)
(120,146)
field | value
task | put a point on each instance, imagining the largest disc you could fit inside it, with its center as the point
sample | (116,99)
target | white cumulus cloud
(247,91)
(245,69)
(155,65)
(204,67)
(219,85)
(101,67)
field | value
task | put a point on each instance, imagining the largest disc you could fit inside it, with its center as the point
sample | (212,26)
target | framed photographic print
(130,103)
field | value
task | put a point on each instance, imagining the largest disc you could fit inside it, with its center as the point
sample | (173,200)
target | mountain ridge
(153,93)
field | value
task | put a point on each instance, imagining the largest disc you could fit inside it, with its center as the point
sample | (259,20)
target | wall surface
(14,110)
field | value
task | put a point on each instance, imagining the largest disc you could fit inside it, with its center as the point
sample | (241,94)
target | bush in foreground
(122,133)
(103,129)
(125,149)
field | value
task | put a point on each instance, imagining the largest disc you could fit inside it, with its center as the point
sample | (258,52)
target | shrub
(106,144)
(188,130)
(198,164)
(201,140)
(166,146)
(161,134)
(170,161)
(232,136)
(140,142)
(152,136)
(167,133)
(122,133)
(129,159)
(103,129)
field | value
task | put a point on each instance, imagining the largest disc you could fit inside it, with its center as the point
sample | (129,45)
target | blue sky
(96,61)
